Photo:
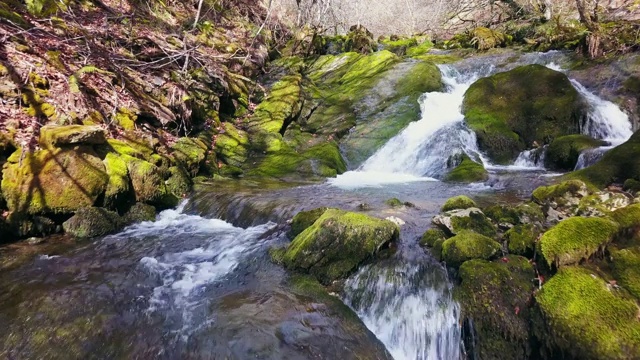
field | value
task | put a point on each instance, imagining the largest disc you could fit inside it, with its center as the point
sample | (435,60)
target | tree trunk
(590,20)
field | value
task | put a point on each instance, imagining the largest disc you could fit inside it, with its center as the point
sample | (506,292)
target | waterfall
(531,159)
(409,308)
(605,120)
(591,156)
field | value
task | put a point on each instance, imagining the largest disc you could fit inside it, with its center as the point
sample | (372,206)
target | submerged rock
(337,242)
(513,110)
(588,319)
(91,222)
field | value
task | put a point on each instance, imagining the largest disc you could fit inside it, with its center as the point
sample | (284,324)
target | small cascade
(591,156)
(409,307)
(531,159)
(605,120)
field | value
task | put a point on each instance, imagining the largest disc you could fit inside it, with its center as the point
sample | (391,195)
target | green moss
(179,182)
(586,319)
(394,202)
(303,220)
(559,192)
(126,118)
(496,296)
(231,145)
(514,110)
(616,165)
(420,49)
(564,151)
(576,239)
(399,47)
(277,254)
(458,202)
(139,212)
(626,269)
(322,160)
(530,213)
(467,245)
(55,136)
(485,39)
(148,185)
(431,236)
(118,186)
(337,243)
(190,152)
(631,185)
(521,239)
(423,77)
(628,217)
(91,222)
(467,172)
(476,221)
(53,181)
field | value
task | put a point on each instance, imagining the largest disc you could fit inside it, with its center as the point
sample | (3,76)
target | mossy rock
(602,203)
(147,183)
(57,181)
(468,245)
(514,110)
(190,152)
(336,243)
(616,165)
(52,136)
(179,182)
(521,239)
(576,239)
(467,171)
(484,38)
(131,147)
(139,212)
(565,193)
(628,217)
(394,202)
(400,46)
(631,185)
(91,222)
(323,160)
(453,222)
(118,188)
(21,225)
(304,219)
(459,202)
(502,214)
(587,319)
(563,152)
(231,145)
(529,213)
(360,40)
(495,296)
(431,236)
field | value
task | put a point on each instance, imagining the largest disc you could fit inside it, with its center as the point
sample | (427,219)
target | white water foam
(183,274)
(412,318)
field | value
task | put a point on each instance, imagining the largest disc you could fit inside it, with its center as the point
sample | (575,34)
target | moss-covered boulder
(232,145)
(616,165)
(430,237)
(484,38)
(53,181)
(472,219)
(625,265)
(179,183)
(148,184)
(91,222)
(529,213)
(521,239)
(64,135)
(459,202)
(567,193)
(576,239)
(303,220)
(602,203)
(514,110)
(360,39)
(118,191)
(588,319)
(139,212)
(628,218)
(495,297)
(563,152)
(467,171)
(337,243)
(468,245)
(502,214)
(190,152)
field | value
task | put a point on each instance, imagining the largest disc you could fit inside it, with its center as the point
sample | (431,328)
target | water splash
(591,156)
(409,308)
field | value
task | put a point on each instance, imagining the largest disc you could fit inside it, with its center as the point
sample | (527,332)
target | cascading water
(408,306)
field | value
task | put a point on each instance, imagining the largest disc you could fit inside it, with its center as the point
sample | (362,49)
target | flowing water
(198,283)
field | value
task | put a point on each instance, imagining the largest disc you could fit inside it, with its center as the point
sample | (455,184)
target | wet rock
(56,135)
(337,242)
(521,239)
(576,239)
(585,318)
(561,200)
(91,222)
(459,202)
(190,152)
(563,152)
(494,297)
(472,219)
(138,213)
(511,111)
(53,181)
(602,203)
(468,245)
(396,220)
(303,220)
(467,171)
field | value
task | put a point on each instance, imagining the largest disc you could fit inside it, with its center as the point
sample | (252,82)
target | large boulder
(517,109)
(586,318)
(495,297)
(467,171)
(459,202)
(576,239)
(337,242)
(53,181)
